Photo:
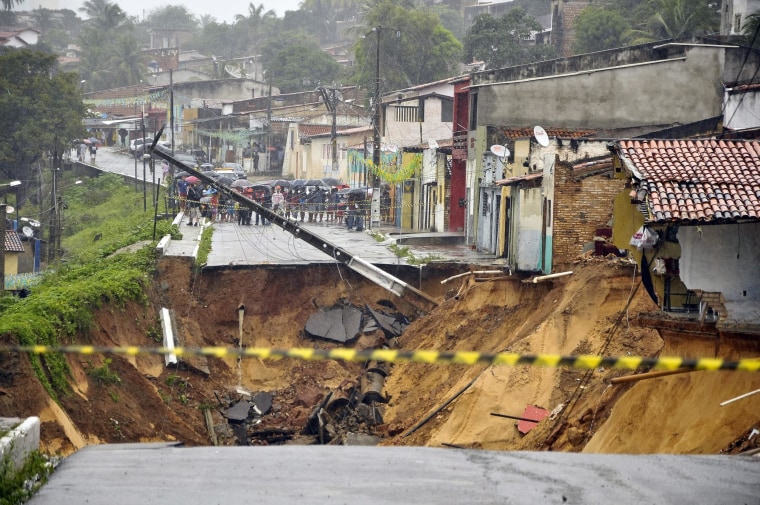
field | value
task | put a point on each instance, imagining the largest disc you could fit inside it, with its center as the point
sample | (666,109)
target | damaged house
(691,216)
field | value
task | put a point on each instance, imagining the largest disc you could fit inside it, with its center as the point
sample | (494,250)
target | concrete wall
(684,90)
(528,222)
(403,134)
(723,258)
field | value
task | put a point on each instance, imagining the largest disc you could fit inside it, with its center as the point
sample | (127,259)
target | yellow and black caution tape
(400,356)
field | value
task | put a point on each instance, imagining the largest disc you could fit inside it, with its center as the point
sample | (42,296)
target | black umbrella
(314,182)
(281,182)
(225,180)
(332,182)
(298,183)
(241,183)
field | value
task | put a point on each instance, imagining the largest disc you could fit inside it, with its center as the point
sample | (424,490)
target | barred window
(407,114)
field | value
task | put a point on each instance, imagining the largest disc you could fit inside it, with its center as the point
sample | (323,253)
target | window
(447,111)
(407,114)
(738,23)
(474,110)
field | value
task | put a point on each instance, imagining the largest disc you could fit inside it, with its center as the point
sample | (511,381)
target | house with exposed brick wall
(690,215)
(551,200)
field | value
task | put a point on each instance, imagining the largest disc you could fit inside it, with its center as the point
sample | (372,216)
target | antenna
(28,232)
(9,209)
(499,151)
(541,137)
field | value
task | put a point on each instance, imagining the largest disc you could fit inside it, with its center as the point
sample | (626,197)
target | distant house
(14,248)
(19,37)
(700,202)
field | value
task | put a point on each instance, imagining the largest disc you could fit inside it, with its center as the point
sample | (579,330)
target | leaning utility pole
(376,113)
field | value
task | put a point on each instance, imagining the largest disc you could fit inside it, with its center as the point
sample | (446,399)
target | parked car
(140,148)
(199,155)
(237,168)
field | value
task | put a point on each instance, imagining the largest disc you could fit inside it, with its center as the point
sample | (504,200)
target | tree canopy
(414,47)
(505,41)
(597,29)
(292,60)
(41,109)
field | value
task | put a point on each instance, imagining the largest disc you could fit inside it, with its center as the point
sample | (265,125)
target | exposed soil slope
(587,312)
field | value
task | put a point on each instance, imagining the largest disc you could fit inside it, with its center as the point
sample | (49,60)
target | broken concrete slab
(239,411)
(262,402)
(338,324)
(361,439)
(390,324)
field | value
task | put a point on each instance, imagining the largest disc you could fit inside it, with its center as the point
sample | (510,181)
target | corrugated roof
(696,180)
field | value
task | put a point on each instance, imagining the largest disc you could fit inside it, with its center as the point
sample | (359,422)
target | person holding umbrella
(194,201)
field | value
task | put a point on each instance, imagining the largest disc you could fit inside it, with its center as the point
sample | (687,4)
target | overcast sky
(224,10)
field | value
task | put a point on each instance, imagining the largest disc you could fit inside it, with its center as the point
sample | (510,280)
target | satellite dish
(541,136)
(9,209)
(500,151)
(28,232)
(432,144)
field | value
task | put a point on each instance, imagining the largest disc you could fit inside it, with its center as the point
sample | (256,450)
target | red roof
(696,180)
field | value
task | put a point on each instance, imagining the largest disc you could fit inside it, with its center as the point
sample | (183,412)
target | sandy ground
(593,311)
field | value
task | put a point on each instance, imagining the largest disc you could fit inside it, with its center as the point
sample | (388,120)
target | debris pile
(346,415)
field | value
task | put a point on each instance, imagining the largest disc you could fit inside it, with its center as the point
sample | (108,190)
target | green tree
(751,30)
(175,17)
(291,59)
(41,110)
(674,19)
(598,28)
(414,47)
(504,41)
(103,15)
(252,26)
(8,4)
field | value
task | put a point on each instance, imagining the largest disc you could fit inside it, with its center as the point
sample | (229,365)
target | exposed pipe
(478,272)
(542,278)
(745,395)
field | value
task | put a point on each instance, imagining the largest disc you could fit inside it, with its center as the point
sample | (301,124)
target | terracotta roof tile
(697,180)
(13,242)
(527,132)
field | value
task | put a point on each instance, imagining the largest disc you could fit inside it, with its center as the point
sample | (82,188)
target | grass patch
(204,247)
(17,485)
(89,275)
(103,374)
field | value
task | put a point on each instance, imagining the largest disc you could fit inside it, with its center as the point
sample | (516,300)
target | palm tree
(254,22)
(125,60)
(103,15)
(751,30)
(674,19)
(8,4)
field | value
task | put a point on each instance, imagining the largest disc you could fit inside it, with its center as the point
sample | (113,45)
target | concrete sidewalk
(236,245)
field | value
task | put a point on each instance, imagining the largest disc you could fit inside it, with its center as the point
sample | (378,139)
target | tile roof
(523,132)
(696,180)
(309,130)
(13,242)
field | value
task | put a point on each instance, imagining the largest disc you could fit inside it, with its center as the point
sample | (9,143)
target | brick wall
(568,11)
(582,203)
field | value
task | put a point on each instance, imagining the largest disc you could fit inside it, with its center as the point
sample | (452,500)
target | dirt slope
(586,312)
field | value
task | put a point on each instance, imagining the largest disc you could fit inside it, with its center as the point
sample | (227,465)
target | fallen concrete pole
(648,375)
(168,327)
(358,265)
